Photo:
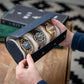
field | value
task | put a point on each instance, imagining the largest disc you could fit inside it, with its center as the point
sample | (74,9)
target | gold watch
(50,29)
(26,45)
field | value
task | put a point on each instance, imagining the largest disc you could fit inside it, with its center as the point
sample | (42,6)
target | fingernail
(53,19)
(28,55)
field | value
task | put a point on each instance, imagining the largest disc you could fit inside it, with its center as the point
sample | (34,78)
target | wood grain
(5,57)
(3,72)
(52,66)
(10,77)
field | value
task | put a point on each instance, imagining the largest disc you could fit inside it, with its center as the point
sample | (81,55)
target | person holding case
(31,75)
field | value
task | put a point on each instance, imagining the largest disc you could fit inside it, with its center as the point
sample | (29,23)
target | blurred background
(75,10)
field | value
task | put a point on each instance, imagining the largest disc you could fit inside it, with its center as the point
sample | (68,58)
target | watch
(39,36)
(26,45)
(50,29)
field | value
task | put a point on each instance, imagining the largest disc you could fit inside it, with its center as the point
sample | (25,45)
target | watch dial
(50,28)
(39,36)
(26,45)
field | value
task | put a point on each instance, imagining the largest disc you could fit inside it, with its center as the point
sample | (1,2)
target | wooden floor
(52,66)
(5,60)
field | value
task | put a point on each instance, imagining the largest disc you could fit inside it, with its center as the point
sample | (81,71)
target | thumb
(59,25)
(30,60)
(53,21)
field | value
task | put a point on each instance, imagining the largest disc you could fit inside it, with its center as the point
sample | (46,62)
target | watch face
(39,36)
(26,45)
(50,28)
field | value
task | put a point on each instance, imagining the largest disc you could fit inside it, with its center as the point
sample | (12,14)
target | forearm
(78,41)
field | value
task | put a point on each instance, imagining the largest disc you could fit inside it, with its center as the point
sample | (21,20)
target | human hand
(28,75)
(69,36)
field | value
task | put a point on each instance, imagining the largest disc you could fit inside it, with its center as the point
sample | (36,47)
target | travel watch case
(15,51)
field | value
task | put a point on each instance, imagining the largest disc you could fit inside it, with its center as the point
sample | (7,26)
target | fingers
(59,25)
(30,60)
(26,63)
(22,63)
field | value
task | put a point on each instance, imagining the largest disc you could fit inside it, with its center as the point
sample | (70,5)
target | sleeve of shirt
(78,41)
(42,82)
